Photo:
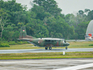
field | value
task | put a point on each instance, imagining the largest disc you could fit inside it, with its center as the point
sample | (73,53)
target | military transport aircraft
(42,42)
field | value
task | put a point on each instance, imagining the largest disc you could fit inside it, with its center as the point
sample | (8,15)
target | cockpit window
(47,40)
(65,41)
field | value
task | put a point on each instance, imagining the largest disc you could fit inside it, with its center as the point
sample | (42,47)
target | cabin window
(49,40)
(52,40)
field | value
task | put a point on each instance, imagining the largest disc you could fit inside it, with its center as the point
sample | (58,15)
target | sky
(67,6)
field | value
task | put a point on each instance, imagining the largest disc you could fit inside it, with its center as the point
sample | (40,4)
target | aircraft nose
(68,44)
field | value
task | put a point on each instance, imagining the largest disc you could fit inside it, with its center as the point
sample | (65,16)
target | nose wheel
(66,48)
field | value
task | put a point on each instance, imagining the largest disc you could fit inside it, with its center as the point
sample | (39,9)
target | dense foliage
(44,19)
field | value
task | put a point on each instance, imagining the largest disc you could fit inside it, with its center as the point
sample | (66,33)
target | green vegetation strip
(30,46)
(49,55)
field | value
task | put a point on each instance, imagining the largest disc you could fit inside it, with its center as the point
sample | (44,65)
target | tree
(3,18)
(44,19)
(37,30)
(81,30)
(19,16)
(11,7)
(80,12)
(49,6)
(90,15)
(87,10)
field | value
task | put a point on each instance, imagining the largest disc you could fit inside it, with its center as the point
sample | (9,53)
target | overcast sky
(67,6)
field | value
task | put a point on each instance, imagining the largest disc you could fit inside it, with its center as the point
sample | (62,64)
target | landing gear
(66,48)
(50,48)
(46,48)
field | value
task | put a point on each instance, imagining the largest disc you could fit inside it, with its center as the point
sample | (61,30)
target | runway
(43,50)
(47,64)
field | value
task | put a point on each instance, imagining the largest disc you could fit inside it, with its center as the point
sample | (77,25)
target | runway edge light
(63,52)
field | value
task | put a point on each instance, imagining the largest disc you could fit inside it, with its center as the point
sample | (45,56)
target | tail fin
(23,32)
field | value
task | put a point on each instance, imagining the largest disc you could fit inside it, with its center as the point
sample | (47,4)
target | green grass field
(30,46)
(48,55)
(81,44)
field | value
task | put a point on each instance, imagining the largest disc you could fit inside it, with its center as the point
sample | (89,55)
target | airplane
(42,42)
(89,32)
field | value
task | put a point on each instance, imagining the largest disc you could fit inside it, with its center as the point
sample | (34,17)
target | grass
(30,46)
(46,55)
(81,44)
(23,46)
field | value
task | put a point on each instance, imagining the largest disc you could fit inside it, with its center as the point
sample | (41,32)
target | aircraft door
(49,42)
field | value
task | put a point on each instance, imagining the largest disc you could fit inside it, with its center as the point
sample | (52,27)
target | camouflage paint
(42,42)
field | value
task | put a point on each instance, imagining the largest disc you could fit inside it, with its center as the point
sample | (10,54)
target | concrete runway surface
(43,50)
(47,64)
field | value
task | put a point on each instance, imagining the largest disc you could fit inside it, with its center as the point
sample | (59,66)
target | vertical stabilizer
(22,32)
(89,31)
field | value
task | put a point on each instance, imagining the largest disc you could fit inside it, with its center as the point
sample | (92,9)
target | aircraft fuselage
(48,42)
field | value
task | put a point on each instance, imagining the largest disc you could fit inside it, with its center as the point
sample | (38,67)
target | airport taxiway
(47,64)
(43,50)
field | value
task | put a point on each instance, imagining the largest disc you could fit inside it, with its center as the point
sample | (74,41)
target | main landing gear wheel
(50,48)
(46,48)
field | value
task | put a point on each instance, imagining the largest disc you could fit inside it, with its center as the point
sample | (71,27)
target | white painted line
(77,67)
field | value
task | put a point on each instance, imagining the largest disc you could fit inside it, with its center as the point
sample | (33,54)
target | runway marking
(76,67)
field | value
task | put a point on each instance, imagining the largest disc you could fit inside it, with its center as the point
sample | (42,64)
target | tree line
(44,19)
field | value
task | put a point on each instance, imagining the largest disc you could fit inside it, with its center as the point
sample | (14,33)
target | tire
(50,48)
(46,48)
